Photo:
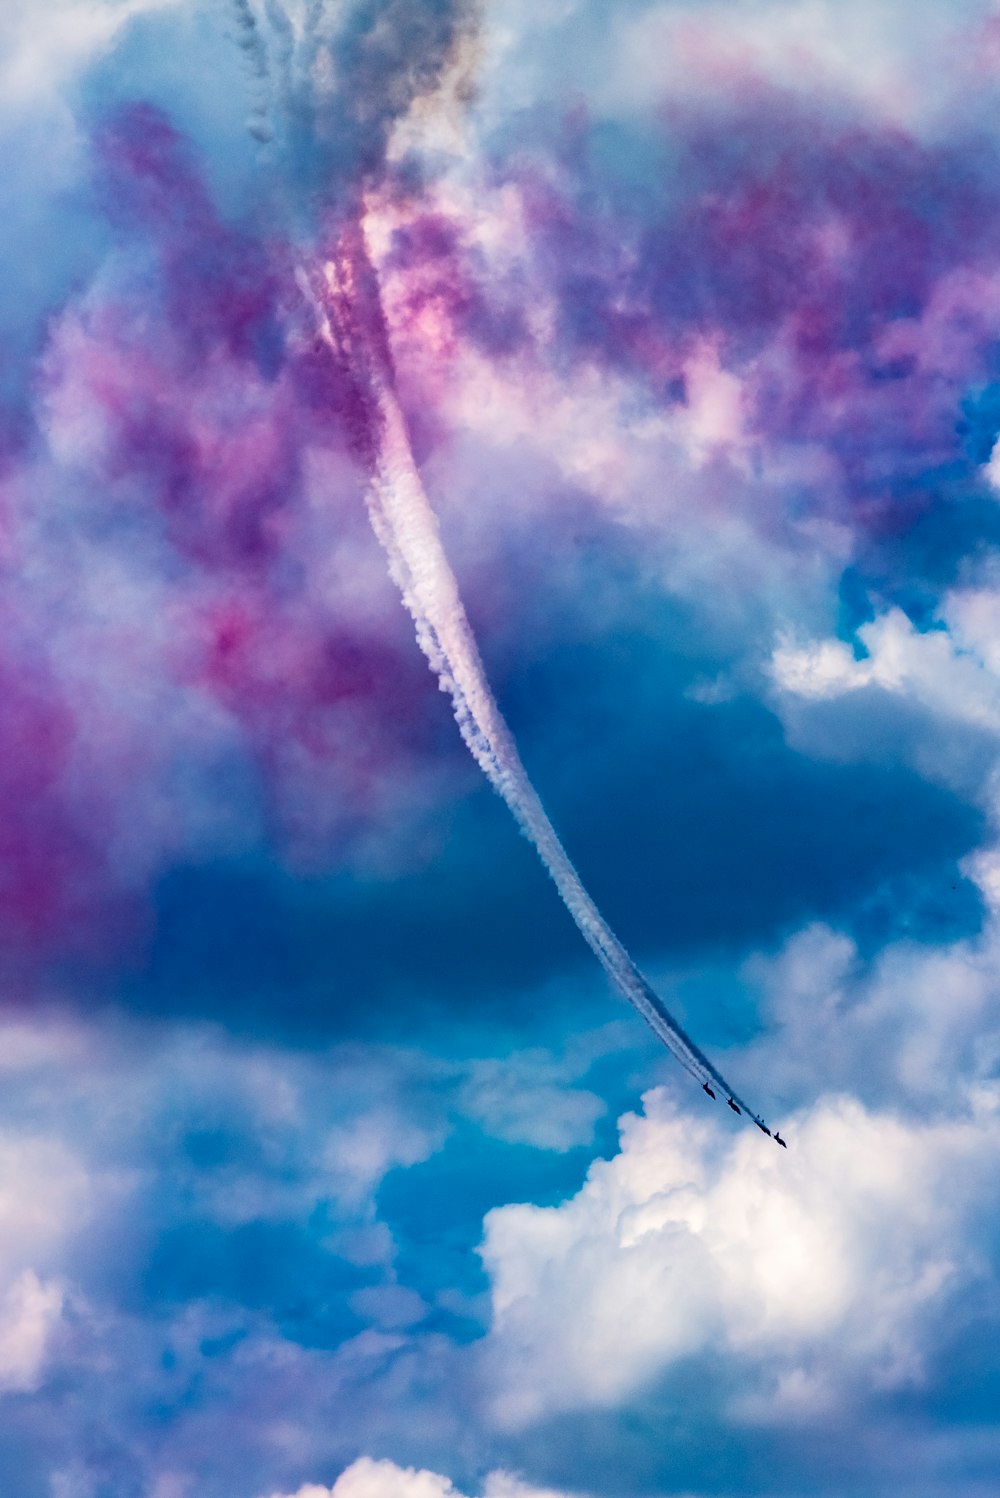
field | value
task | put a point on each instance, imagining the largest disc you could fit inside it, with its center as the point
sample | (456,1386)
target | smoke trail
(345,298)
(251,44)
(405,524)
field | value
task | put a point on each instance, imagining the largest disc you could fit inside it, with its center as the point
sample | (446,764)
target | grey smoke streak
(254,49)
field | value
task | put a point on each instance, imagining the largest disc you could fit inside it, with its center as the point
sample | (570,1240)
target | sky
(331,1164)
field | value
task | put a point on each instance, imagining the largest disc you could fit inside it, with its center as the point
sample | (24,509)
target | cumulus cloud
(825,1269)
(366,1478)
(947,671)
(833,698)
(915,1024)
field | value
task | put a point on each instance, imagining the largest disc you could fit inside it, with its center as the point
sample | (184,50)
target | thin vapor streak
(254,49)
(406,526)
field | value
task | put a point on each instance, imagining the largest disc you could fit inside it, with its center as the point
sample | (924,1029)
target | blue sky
(330,1164)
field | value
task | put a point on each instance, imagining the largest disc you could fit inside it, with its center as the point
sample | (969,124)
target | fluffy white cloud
(947,671)
(834,704)
(915,1026)
(383,1479)
(823,1267)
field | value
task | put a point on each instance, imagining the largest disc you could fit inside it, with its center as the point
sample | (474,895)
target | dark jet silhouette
(764,1128)
(708,1089)
(778,1140)
(733,1106)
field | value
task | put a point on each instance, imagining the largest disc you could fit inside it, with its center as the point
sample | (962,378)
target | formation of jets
(737,1109)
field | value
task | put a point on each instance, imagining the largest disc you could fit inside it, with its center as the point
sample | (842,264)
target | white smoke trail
(406,526)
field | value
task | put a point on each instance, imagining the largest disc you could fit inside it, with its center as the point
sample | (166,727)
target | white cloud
(528,1097)
(916,1025)
(369,1479)
(503,1485)
(46,1196)
(822,669)
(42,45)
(832,703)
(820,1266)
(359,1152)
(383,1479)
(632,58)
(30,1312)
(320,1132)
(992,468)
(874,55)
(954,669)
(943,670)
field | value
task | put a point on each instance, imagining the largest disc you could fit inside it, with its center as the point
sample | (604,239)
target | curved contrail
(405,524)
